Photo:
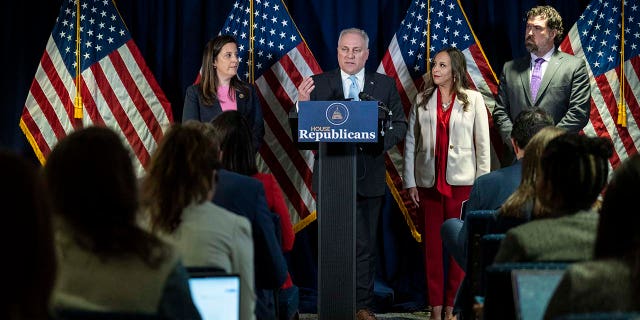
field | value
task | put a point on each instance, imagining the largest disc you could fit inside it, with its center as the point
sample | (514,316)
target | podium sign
(337,121)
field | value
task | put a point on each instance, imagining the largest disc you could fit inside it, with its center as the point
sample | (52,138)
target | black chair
(477,224)
(489,245)
(77,314)
(499,300)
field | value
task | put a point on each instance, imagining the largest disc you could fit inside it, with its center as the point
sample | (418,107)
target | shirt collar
(546,56)
(359,77)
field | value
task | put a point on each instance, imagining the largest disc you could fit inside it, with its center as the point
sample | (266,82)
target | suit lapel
(369,83)
(552,67)
(336,86)
(241,101)
(524,68)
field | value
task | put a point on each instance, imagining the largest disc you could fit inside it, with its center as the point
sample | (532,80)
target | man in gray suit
(547,78)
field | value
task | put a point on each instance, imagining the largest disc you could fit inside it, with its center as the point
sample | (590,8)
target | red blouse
(442,146)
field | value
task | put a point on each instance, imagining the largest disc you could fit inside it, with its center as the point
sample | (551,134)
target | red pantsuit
(436,208)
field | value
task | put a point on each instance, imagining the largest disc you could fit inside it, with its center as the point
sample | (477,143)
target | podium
(336,129)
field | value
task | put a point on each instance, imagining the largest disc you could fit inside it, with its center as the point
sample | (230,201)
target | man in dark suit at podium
(345,84)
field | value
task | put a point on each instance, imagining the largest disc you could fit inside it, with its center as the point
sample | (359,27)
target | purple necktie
(536,78)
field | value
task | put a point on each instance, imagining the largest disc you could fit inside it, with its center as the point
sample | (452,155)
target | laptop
(532,290)
(215,293)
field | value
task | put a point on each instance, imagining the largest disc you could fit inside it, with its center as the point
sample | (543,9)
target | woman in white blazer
(446,148)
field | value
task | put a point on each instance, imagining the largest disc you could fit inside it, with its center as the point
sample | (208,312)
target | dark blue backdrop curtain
(172,33)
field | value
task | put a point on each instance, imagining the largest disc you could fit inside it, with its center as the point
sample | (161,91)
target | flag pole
(428,53)
(622,110)
(252,79)
(77,106)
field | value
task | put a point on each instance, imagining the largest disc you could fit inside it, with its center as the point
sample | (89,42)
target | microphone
(367,97)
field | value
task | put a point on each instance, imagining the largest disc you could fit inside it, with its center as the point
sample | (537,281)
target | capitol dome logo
(337,114)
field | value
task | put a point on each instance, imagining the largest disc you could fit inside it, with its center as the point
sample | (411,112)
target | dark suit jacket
(248,106)
(491,190)
(370,159)
(245,196)
(564,93)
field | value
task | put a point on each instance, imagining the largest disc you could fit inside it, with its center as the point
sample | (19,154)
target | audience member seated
(513,212)
(177,193)
(518,208)
(270,266)
(106,262)
(489,191)
(30,265)
(573,171)
(612,281)
(239,156)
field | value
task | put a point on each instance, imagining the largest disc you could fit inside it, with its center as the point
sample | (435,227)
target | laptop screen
(532,290)
(215,294)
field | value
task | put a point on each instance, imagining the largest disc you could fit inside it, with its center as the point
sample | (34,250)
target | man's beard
(530,45)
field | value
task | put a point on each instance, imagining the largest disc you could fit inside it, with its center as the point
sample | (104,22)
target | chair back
(477,222)
(489,245)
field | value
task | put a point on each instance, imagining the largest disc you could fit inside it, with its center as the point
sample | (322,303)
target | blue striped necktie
(353,88)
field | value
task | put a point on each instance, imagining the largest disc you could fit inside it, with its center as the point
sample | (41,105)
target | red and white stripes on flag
(280,61)
(118,90)
(405,61)
(597,38)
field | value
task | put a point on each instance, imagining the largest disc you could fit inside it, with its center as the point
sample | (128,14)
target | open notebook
(215,293)
(532,290)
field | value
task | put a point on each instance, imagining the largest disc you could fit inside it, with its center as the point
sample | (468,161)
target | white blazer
(469,145)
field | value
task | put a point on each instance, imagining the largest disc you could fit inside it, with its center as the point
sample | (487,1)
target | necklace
(445,106)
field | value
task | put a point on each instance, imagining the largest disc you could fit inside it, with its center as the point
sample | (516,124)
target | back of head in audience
(520,203)
(527,124)
(234,136)
(618,235)
(30,268)
(574,170)
(94,192)
(182,171)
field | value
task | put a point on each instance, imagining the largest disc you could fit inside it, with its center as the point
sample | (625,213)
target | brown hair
(517,204)
(209,81)
(554,20)
(573,170)
(235,140)
(94,191)
(459,73)
(28,242)
(181,173)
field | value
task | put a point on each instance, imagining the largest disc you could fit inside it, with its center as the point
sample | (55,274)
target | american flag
(597,38)
(406,61)
(280,61)
(117,88)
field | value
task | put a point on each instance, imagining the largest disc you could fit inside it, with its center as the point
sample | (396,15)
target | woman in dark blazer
(220,89)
